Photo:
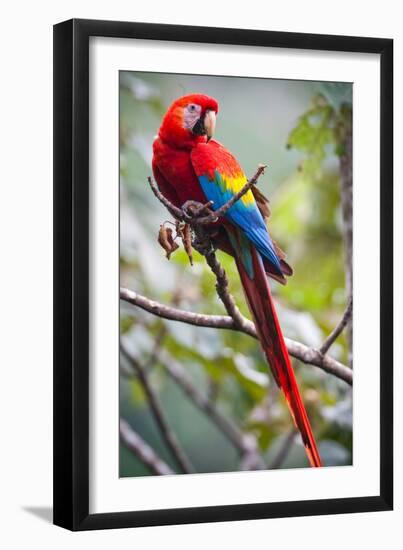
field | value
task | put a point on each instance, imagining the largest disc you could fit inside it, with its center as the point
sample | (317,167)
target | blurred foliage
(297,129)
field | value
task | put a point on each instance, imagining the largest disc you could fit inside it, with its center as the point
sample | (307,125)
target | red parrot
(189,165)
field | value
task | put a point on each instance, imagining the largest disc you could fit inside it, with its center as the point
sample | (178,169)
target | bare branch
(306,354)
(222,290)
(140,448)
(175,314)
(166,432)
(312,356)
(338,329)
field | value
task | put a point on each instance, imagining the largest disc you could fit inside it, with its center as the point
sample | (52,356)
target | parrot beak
(209,124)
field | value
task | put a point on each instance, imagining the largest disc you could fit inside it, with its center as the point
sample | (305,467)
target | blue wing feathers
(246,217)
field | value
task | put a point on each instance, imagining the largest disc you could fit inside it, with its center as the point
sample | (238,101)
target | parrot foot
(194,209)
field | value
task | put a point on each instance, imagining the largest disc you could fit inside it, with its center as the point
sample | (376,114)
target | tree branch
(166,432)
(175,314)
(338,329)
(145,453)
(222,290)
(301,352)
(312,356)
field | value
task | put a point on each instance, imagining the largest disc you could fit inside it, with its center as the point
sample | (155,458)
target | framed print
(223,263)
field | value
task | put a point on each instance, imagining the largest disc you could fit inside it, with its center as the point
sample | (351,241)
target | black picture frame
(71,274)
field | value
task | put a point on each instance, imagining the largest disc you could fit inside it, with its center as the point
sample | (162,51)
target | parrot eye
(192,113)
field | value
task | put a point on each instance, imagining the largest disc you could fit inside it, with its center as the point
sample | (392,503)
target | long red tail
(261,305)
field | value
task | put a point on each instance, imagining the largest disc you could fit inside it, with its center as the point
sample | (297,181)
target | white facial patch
(191,115)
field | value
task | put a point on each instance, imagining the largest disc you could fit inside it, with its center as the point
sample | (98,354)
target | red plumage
(261,306)
(180,138)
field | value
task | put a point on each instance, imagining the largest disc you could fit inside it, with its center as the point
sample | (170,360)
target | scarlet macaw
(189,165)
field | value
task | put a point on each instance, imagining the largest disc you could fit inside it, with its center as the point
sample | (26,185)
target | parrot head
(189,120)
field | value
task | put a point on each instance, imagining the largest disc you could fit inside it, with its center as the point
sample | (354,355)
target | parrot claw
(194,209)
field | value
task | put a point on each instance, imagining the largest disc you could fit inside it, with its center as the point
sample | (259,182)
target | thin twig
(338,329)
(306,354)
(159,415)
(140,448)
